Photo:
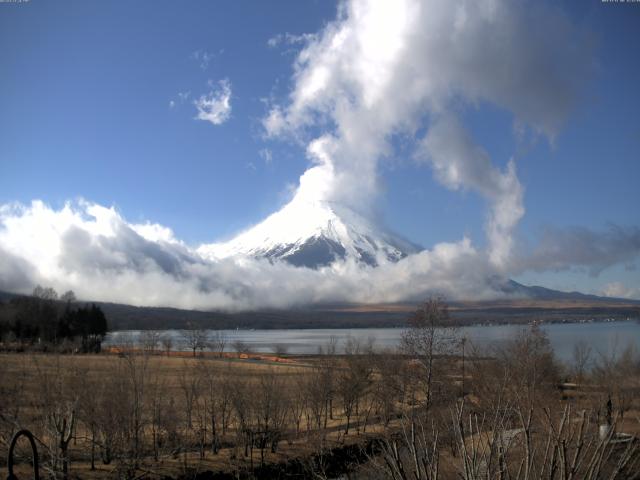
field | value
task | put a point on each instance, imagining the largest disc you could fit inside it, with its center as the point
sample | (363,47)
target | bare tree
(242,407)
(531,366)
(581,360)
(280,349)
(270,412)
(212,388)
(413,453)
(12,387)
(563,446)
(45,293)
(195,339)
(202,413)
(167,343)
(559,446)
(327,365)
(68,297)
(240,347)
(388,388)
(227,378)
(317,386)
(59,399)
(219,342)
(617,372)
(113,397)
(125,342)
(136,369)
(189,383)
(298,401)
(353,380)
(430,334)
(89,406)
(150,339)
(155,408)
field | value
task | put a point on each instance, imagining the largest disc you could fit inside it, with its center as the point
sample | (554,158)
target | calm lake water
(603,337)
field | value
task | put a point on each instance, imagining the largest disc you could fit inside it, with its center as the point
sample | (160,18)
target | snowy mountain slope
(314,234)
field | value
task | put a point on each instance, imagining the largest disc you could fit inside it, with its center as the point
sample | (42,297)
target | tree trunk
(214,435)
(93,448)
(348,415)
(65,460)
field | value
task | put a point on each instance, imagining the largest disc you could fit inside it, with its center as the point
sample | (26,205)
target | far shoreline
(380,327)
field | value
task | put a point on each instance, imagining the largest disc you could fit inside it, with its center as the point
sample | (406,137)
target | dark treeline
(45,320)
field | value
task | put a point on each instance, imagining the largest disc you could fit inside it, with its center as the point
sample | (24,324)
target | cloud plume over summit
(381,69)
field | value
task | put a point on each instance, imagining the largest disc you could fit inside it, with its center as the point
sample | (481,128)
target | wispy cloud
(565,248)
(180,98)
(266,155)
(620,290)
(215,106)
(289,39)
(204,57)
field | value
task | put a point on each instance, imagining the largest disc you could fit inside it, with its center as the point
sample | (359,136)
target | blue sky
(97,102)
(86,108)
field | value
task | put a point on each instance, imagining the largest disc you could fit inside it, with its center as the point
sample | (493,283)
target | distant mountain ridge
(545,305)
(535,292)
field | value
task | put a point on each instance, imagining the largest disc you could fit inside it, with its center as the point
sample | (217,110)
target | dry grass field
(141,414)
(179,383)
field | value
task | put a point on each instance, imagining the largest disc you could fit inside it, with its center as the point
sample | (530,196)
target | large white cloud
(387,68)
(95,252)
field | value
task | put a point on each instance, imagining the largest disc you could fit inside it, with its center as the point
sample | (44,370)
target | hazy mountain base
(523,311)
(123,317)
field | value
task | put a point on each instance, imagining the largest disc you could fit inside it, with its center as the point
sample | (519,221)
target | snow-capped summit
(313,233)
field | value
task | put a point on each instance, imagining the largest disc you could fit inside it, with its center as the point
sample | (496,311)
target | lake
(603,337)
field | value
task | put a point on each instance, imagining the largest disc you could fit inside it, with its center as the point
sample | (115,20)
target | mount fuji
(314,234)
